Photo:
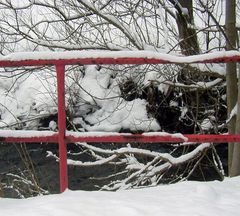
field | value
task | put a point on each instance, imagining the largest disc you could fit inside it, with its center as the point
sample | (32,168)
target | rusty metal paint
(63,169)
(119,138)
(119,60)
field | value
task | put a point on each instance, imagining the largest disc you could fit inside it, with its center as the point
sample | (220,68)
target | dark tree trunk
(187,34)
(232,90)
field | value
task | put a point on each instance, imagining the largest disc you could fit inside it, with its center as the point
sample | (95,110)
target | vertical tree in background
(235,163)
(187,34)
(231,77)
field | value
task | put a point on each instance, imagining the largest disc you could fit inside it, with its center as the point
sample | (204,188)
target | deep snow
(185,198)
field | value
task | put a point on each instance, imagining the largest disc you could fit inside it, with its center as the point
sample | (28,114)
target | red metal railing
(62,137)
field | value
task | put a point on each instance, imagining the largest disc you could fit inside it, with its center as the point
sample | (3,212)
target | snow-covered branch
(139,172)
(112,20)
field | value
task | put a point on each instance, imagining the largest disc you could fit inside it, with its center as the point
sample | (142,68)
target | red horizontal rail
(124,138)
(144,138)
(82,61)
(111,57)
(34,139)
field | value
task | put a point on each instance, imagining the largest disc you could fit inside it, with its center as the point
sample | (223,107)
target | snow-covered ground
(186,198)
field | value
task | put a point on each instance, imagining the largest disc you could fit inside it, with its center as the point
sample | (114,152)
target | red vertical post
(63,170)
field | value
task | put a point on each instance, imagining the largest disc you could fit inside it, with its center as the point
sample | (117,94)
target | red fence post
(63,170)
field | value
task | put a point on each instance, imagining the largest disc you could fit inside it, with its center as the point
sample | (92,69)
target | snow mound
(186,198)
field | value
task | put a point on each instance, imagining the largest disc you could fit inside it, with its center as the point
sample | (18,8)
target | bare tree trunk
(1,191)
(231,79)
(187,34)
(235,165)
(231,102)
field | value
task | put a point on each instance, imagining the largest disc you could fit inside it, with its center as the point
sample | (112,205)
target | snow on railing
(30,136)
(62,137)
(112,57)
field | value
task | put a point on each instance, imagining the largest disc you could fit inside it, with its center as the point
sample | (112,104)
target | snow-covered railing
(30,136)
(62,137)
(111,57)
